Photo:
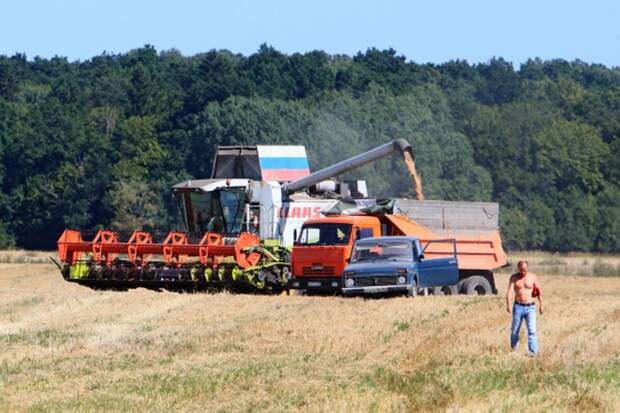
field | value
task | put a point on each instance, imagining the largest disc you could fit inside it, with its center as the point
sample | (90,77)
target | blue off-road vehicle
(382,265)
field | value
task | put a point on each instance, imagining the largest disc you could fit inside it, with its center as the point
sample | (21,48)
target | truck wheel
(413,290)
(476,285)
(445,290)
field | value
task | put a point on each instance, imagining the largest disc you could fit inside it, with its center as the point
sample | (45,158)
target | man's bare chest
(526,282)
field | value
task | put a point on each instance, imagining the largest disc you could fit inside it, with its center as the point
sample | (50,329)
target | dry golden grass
(574,263)
(25,257)
(69,348)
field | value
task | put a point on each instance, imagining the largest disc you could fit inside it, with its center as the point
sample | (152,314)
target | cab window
(325,234)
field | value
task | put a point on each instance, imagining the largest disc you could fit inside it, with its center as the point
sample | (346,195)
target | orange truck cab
(323,248)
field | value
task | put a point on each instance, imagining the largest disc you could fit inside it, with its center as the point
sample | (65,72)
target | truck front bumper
(324,284)
(379,289)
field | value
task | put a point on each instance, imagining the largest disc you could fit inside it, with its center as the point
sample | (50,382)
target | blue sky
(423,31)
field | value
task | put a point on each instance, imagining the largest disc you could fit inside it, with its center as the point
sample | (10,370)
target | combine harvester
(241,223)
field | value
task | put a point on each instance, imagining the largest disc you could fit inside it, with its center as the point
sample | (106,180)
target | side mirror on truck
(295,236)
(358,234)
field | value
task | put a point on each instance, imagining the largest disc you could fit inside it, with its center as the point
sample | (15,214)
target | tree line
(98,143)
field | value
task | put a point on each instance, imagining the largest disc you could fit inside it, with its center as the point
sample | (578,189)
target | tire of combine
(445,290)
(476,285)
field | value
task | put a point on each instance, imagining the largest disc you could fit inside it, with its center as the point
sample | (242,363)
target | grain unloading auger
(240,224)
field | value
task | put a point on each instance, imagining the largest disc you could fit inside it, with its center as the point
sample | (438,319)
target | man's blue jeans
(519,313)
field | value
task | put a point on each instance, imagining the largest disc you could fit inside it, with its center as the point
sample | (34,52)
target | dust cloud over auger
(417,182)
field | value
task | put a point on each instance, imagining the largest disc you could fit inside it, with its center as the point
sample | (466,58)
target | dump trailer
(324,246)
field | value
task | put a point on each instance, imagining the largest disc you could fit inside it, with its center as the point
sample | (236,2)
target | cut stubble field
(69,348)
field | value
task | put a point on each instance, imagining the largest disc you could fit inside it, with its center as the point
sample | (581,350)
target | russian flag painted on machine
(283,163)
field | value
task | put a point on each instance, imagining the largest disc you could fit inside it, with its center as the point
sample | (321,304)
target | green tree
(270,72)
(577,218)
(601,108)
(513,224)
(8,81)
(608,237)
(134,205)
(7,241)
(501,84)
(569,154)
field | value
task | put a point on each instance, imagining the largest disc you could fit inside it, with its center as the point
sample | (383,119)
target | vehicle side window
(366,232)
(310,236)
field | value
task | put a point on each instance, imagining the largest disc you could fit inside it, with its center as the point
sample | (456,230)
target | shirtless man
(524,284)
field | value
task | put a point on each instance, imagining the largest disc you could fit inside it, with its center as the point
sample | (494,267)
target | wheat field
(69,348)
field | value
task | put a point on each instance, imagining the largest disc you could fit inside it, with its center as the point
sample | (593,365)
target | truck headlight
(349,282)
(401,280)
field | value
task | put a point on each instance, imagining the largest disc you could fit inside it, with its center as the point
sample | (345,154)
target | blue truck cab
(396,264)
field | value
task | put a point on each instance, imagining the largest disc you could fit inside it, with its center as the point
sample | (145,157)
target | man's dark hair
(521,263)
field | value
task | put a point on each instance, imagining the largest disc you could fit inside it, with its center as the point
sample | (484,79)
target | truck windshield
(325,234)
(382,250)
